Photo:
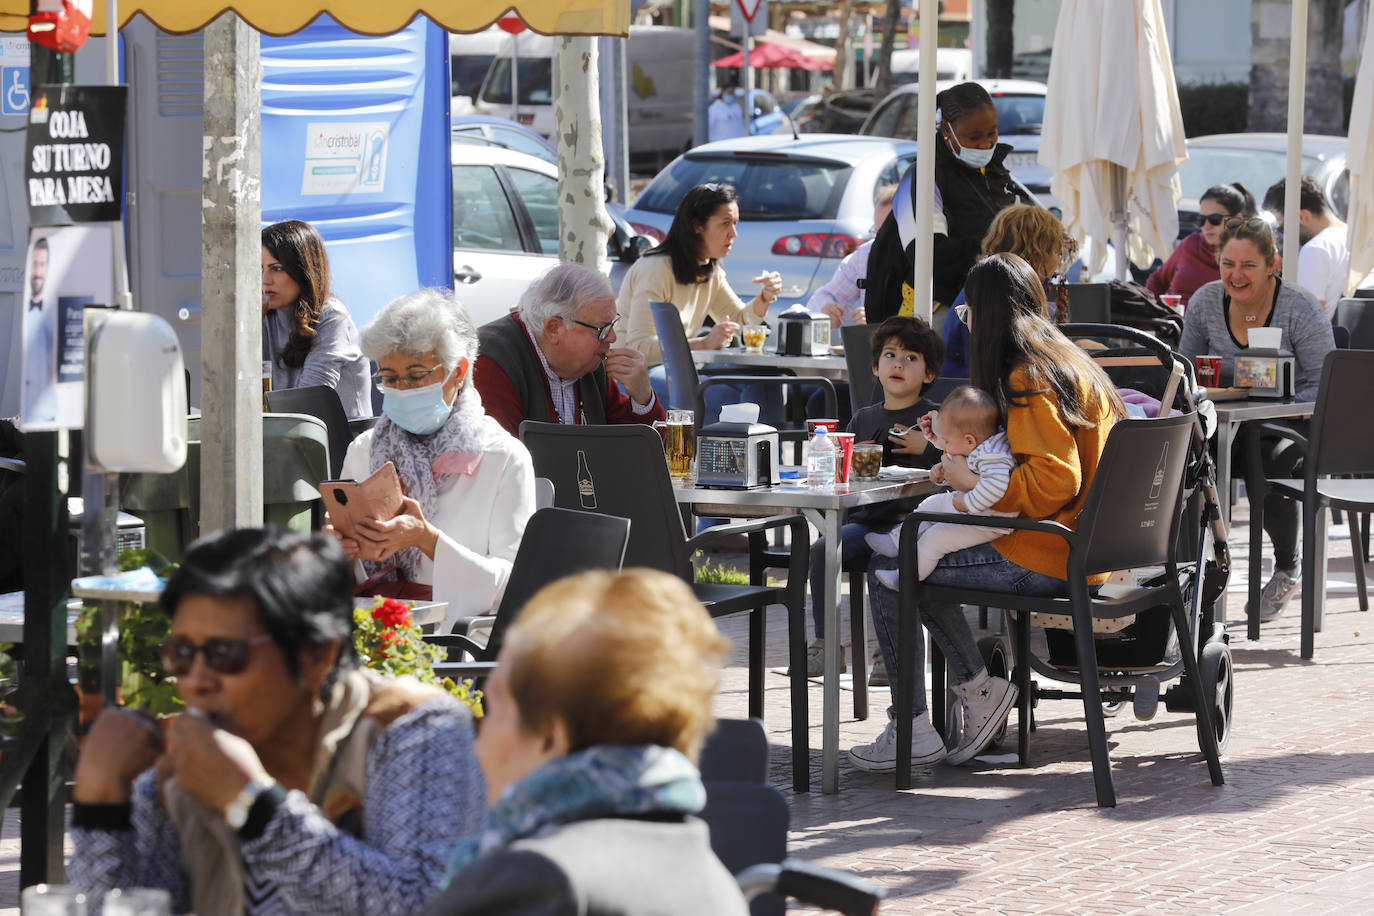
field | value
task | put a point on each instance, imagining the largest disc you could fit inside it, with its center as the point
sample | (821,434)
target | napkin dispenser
(1266,373)
(739,455)
(801,333)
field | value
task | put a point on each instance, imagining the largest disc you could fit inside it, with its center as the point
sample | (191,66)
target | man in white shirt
(725,117)
(1324,259)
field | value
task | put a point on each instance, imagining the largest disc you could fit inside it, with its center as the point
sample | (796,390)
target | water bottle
(820,461)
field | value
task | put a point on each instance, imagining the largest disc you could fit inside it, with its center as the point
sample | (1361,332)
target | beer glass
(681,446)
(52,900)
(138,901)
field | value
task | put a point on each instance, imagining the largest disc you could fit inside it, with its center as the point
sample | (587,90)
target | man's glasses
(1252,223)
(961,312)
(223,656)
(602,330)
(413,380)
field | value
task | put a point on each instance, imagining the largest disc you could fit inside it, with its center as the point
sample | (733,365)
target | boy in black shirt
(907,355)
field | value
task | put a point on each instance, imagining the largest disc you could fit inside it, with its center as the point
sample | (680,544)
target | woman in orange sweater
(1059,406)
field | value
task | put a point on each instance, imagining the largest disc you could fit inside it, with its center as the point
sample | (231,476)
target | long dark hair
(1009,330)
(683,241)
(297,246)
(1235,197)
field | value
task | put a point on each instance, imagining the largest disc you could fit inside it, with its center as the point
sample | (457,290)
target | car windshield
(1256,169)
(468,70)
(536,81)
(769,189)
(1019,114)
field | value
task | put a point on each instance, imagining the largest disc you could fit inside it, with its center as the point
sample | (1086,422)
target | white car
(505,227)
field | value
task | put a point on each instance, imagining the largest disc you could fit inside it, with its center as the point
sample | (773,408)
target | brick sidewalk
(1286,834)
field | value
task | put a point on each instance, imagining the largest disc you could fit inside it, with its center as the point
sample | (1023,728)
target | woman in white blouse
(469,484)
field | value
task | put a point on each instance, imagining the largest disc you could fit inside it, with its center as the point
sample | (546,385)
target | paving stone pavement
(1288,833)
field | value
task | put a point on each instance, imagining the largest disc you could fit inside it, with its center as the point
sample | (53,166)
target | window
(884,123)
(536,81)
(540,194)
(521,142)
(768,189)
(482,217)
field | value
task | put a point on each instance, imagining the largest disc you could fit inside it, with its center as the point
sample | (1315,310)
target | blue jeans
(852,547)
(768,397)
(979,567)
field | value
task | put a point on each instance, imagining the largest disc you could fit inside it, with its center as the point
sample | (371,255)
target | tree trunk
(844,47)
(1001,48)
(583,225)
(882,83)
(1269,53)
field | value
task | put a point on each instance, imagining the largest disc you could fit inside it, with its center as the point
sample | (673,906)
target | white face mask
(975,158)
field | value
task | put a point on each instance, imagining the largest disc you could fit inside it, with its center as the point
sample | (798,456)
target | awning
(765,55)
(282,17)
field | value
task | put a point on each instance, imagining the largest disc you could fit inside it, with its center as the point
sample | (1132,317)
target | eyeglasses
(1252,223)
(1216,219)
(961,312)
(413,380)
(602,330)
(223,656)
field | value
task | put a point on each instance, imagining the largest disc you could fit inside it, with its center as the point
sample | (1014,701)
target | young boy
(907,354)
(977,464)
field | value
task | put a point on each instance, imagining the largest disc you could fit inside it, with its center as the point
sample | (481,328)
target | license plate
(1021,161)
(528,120)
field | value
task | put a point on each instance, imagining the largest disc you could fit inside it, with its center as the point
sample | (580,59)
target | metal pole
(748,81)
(977,10)
(1119,220)
(515,78)
(1297,90)
(925,163)
(701,15)
(614,119)
(231,285)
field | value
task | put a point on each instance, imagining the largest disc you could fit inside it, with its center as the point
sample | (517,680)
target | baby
(977,463)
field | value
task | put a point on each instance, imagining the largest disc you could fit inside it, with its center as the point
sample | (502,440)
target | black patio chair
(1131,519)
(620,469)
(858,361)
(1341,441)
(321,402)
(556,543)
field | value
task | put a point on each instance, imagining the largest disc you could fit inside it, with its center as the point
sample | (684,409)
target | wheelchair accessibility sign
(14,90)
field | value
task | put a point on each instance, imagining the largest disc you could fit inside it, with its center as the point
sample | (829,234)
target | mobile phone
(348,502)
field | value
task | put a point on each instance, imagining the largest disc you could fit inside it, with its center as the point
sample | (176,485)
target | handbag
(378,586)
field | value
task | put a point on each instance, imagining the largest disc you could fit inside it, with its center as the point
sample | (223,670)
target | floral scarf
(456,447)
(608,779)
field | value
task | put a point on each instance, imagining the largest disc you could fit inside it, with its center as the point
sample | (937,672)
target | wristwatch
(236,815)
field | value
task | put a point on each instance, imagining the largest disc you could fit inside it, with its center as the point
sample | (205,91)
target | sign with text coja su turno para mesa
(74,169)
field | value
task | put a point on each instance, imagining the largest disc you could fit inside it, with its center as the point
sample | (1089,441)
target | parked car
(505,227)
(1020,117)
(1258,160)
(841,112)
(501,132)
(803,203)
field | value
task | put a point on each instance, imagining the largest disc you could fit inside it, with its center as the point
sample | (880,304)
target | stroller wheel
(1219,684)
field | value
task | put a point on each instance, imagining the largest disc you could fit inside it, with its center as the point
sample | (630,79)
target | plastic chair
(1356,315)
(321,402)
(556,543)
(858,360)
(164,503)
(737,751)
(1090,303)
(620,469)
(1130,520)
(1341,442)
(295,459)
(939,389)
(543,493)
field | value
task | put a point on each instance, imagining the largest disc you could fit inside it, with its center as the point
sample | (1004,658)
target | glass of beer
(681,446)
(754,336)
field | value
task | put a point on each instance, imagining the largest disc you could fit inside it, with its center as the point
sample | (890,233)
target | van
(659,99)
(470,56)
(954,64)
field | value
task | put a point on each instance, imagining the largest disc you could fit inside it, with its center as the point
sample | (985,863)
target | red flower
(392,613)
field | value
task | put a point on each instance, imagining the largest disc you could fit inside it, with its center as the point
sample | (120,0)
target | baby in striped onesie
(977,464)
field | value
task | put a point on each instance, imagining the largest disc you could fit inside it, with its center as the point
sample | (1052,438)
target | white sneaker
(1276,592)
(927,747)
(815,659)
(884,543)
(986,703)
(890,578)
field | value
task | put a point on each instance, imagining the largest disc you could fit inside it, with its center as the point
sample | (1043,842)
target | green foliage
(720,574)
(388,640)
(9,720)
(1214,108)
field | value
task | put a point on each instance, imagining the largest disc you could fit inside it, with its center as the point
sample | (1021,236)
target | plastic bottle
(820,461)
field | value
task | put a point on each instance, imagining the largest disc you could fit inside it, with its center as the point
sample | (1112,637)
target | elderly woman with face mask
(469,484)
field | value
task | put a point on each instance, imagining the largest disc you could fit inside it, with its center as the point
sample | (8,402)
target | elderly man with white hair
(554,360)
(469,484)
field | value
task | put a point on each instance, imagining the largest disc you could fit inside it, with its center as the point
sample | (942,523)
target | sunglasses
(1252,223)
(1215,219)
(223,656)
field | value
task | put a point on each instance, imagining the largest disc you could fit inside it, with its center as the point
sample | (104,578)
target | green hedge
(1214,108)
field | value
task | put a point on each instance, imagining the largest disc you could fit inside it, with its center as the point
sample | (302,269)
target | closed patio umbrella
(1360,158)
(1113,133)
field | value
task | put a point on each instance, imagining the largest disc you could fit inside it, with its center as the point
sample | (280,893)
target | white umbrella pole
(1297,90)
(925,162)
(1119,221)
(748,83)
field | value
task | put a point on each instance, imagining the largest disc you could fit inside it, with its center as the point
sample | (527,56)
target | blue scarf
(604,780)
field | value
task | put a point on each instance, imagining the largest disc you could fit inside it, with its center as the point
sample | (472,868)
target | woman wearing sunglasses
(469,484)
(294,782)
(1194,260)
(1250,294)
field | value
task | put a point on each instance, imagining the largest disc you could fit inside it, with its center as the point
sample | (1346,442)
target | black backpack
(1136,307)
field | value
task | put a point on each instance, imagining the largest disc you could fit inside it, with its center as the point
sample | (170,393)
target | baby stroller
(1136,655)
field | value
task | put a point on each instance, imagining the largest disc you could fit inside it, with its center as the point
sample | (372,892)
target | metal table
(833,367)
(1231,416)
(826,510)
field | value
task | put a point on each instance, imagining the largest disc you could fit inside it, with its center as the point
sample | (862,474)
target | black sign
(74,170)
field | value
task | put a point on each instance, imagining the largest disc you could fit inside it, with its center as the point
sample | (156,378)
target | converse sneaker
(884,543)
(889,578)
(1276,592)
(927,747)
(815,659)
(877,675)
(986,703)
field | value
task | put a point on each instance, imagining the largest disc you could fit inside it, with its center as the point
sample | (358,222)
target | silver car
(803,203)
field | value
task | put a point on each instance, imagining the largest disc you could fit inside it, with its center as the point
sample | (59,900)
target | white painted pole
(1297,90)
(928,23)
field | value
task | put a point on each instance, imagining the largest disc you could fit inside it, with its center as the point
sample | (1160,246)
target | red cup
(1209,371)
(813,424)
(1173,301)
(845,461)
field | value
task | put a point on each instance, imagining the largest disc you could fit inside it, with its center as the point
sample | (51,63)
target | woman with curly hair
(307,334)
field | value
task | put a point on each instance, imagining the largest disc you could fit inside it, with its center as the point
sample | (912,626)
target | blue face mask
(420,411)
(974,158)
